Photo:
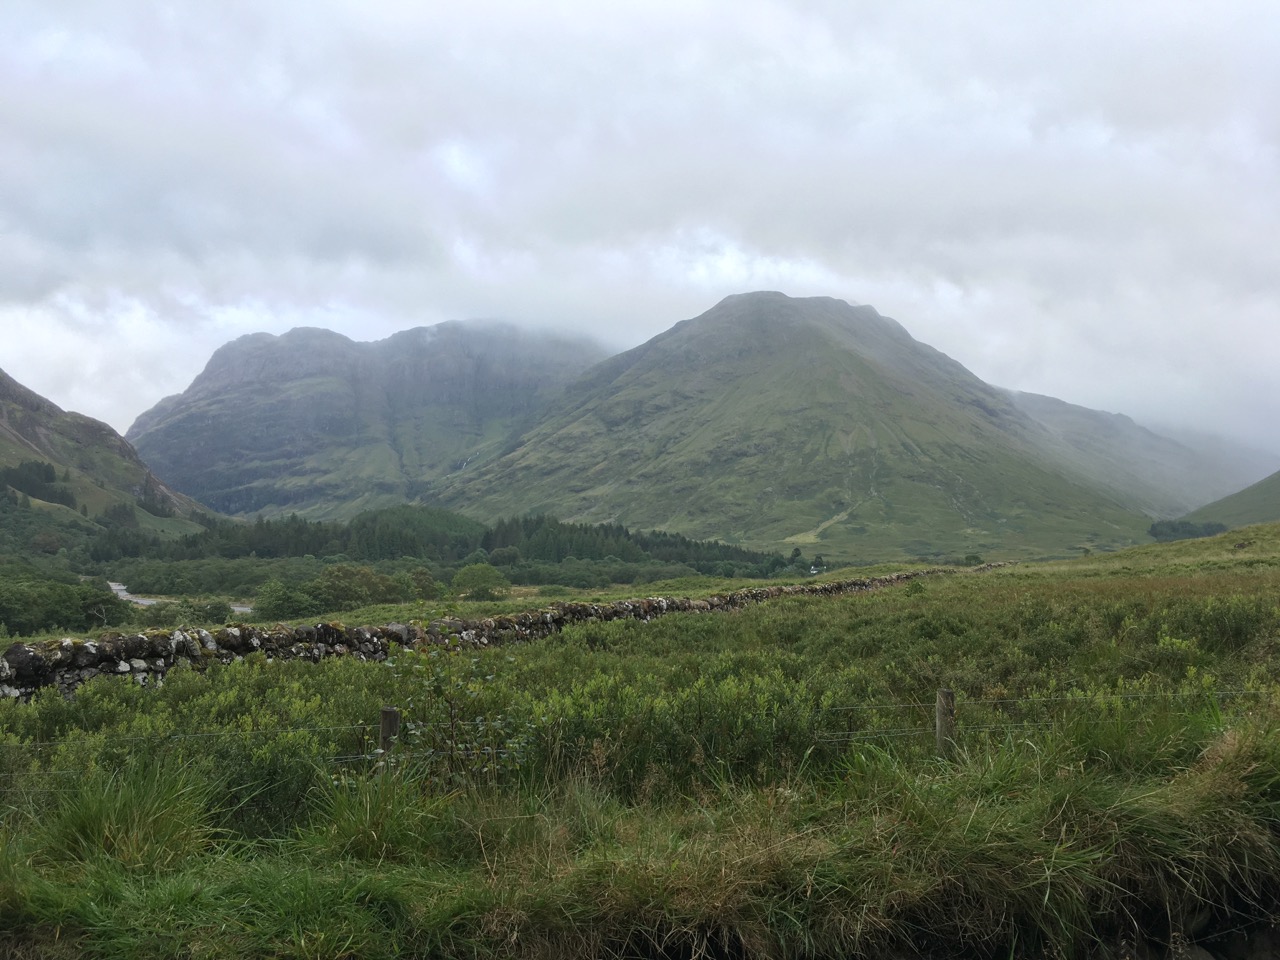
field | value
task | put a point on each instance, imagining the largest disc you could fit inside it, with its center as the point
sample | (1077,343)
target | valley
(781,634)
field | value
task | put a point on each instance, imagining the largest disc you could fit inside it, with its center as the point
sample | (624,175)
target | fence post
(388,728)
(945,724)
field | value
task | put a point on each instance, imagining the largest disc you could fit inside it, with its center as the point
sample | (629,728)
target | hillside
(319,424)
(95,468)
(1259,503)
(770,420)
(1162,476)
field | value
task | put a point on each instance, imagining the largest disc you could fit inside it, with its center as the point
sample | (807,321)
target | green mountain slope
(1161,476)
(316,423)
(1259,503)
(95,468)
(771,421)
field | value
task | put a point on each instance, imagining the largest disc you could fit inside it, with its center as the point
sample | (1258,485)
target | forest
(289,566)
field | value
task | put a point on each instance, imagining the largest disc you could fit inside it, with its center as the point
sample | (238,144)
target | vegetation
(38,479)
(1167,530)
(480,581)
(293,567)
(772,421)
(1259,503)
(33,600)
(761,784)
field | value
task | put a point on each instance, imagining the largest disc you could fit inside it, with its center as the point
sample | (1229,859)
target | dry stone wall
(146,657)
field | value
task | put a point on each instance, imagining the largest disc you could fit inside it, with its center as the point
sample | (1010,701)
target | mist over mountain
(768,420)
(773,420)
(315,422)
(1161,476)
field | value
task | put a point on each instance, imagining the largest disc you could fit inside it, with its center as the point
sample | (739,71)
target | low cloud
(1078,204)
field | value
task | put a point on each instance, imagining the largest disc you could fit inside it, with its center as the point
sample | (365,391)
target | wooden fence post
(388,728)
(945,724)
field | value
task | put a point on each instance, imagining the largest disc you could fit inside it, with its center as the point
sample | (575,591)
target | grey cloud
(1066,200)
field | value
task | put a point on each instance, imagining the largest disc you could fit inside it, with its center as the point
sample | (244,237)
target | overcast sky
(1079,199)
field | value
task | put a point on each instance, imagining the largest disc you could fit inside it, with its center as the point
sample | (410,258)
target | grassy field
(758,784)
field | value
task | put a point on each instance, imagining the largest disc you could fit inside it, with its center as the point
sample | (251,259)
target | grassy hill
(314,423)
(1161,476)
(1259,503)
(95,468)
(773,421)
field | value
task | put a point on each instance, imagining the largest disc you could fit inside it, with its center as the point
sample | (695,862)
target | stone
(26,666)
(86,654)
(138,665)
(122,666)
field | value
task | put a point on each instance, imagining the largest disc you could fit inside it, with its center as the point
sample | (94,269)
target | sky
(1080,199)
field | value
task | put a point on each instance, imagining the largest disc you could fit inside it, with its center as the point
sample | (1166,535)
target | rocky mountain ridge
(313,422)
(768,420)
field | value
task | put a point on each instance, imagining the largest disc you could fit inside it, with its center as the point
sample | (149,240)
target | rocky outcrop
(146,657)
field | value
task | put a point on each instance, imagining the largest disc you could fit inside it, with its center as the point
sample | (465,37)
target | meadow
(764,783)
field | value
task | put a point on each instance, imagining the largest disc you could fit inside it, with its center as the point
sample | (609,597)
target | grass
(757,784)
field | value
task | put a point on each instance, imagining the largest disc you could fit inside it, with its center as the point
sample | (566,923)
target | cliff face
(316,423)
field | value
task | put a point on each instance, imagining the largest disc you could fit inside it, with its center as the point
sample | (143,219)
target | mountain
(771,421)
(316,423)
(1160,476)
(90,465)
(1259,503)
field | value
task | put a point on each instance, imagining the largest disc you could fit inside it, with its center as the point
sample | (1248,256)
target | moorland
(761,783)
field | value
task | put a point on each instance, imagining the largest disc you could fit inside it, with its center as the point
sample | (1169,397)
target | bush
(480,581)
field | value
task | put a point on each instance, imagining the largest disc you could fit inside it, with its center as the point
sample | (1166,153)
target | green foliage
(34,601)
(275,601)
(1259,503)
(708,780)
(38,479)
(480,581)
(149,818)
(186,612)
(395,814)
(344,587)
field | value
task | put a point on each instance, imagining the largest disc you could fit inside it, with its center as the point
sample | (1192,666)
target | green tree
(480,581)
(275,601)
(424,584)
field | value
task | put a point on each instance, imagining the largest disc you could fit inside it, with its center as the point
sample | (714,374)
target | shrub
(480,581)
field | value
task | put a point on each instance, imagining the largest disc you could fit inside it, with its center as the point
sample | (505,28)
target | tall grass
(760,784)
(151,818)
